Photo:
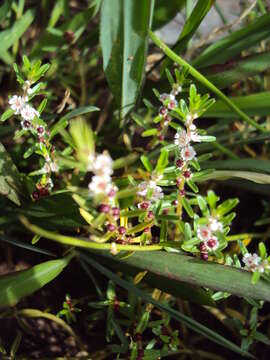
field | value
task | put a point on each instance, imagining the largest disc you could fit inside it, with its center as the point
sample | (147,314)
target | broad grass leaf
(10,184)
(124,38)
(23,283)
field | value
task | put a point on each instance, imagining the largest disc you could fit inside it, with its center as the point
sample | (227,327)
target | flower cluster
(254,262)
(183,139)
(21,106)
(207,235)
(150,192)
(101,183)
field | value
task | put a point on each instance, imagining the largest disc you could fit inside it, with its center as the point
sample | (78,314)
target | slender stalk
(72,241)
(225,151)
(203,80)
(220,13)
(261,6)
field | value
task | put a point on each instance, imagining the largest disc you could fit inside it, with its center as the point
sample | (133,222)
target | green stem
(72,241)
(203,80)
(261,6)
(220,13)
(243,236)
(225,150)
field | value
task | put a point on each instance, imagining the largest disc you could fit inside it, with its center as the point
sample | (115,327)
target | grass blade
(123,36)
(23,283)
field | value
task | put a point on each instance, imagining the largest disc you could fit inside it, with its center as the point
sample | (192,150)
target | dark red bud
(187,174)
(111,227)
(163,111)
(35,195)
(179,163)
(211,243)
(115,211)
(122,230)
(104,208)
(144,205)
(182,192)
(204,256)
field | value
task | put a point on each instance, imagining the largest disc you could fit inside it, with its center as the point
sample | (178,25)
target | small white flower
(142,188)
(53,166)
(26,85)
(212,243)
(17,104)
(163,97)
(181,139)
(113,249)
(204,233)
(172,104)
(100,185)
(151,187)
(103,165)
(49,184)
(91,159)
(252,262)
(188,153)
(215,225)
(29,113)
(176,89)
(30,91)
(194,136)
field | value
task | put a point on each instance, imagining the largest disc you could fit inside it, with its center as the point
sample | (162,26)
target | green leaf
(63,121)
(34,313)
(190,270)
(123,36)
(190,323)
(23,283)
(24,245)
(4,9)
(254,104)
(187,206)
(10,36)
(146,163)
(224,175)
(10,184)
(233,44)
(224,76)
(150,132)
(162,161)
(239,164)
(7,114)
(165,11)
(80,111)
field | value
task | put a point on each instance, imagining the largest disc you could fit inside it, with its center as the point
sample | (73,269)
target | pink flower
(100,185)
(29,113)
(102,165)
(17,104)
(181,139)
(188,153)
(204,233)
(212,243)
